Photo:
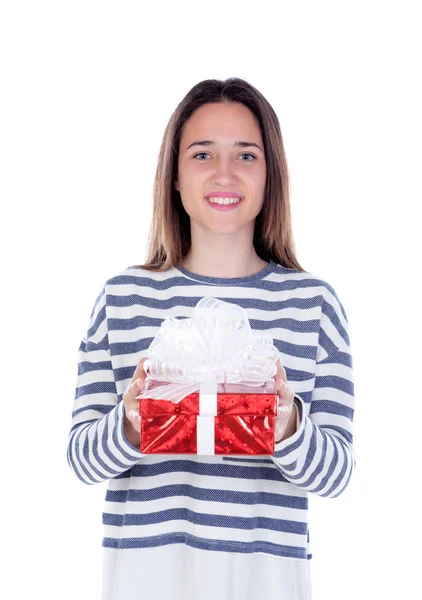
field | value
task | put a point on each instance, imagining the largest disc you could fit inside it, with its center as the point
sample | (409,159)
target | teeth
(217,200)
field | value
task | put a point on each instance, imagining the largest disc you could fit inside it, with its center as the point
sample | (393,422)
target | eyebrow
(211,143)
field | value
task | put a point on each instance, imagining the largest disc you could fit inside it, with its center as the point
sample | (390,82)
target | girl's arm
(98,446)
(319,456)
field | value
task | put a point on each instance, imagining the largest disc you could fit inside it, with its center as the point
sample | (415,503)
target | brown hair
(169,238)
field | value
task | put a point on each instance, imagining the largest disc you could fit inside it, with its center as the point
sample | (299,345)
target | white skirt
(180,572)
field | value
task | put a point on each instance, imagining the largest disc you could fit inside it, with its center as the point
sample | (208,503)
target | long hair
(169,237)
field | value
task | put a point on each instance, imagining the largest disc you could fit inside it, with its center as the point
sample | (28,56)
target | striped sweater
(232,504)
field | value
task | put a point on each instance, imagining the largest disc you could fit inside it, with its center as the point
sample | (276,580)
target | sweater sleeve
(98,448)
(319,457)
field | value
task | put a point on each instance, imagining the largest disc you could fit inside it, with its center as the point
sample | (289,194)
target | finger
(140,370)
(281,373)
(280,390)
(135,419)
(281,423)
(286,397)
(284,410)
(133,389)
(278,379)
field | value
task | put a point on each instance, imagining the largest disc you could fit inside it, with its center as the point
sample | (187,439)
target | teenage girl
(183,526)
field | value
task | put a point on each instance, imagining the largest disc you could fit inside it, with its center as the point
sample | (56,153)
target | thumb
(140,372)
(280,376)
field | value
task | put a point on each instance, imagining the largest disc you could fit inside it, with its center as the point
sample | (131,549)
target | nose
(224,172)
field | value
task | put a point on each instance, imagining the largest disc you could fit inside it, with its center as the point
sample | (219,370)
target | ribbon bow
(216,345)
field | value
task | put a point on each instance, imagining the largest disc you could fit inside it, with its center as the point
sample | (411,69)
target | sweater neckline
(270,268)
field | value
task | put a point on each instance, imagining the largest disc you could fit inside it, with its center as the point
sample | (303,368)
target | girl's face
(213,157)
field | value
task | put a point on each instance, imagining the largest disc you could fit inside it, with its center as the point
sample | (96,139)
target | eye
(244,154)
(199,153)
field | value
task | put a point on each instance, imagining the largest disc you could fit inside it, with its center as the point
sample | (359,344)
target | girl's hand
(131,403)
(285,422)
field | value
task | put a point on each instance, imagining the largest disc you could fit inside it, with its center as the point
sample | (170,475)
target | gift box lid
(232,399)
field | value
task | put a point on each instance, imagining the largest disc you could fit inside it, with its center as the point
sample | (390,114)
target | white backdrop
(87,90)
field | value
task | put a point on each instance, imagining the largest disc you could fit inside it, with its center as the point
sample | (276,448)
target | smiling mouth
(223,201)
(223,204)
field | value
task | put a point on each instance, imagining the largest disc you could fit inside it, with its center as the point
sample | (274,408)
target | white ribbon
(205,423)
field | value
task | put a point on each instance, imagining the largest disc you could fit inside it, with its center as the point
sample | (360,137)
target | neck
(222,256)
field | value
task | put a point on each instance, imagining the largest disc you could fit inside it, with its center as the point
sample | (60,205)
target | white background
(86,91)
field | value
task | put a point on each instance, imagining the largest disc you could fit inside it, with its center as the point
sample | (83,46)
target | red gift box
(243,423)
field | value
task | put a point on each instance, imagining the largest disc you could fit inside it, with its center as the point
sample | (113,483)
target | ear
(176,185)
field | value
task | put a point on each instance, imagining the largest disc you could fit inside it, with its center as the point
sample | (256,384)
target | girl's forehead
(222,112)
(221,123)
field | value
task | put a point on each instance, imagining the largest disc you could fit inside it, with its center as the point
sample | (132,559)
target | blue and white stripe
(235,504)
